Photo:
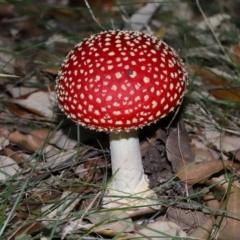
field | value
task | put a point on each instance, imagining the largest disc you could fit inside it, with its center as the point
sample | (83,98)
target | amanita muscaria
(118,82)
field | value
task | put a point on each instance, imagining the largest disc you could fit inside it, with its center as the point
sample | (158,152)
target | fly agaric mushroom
(119,81)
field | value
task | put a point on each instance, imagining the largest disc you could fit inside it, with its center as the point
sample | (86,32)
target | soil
(159,172)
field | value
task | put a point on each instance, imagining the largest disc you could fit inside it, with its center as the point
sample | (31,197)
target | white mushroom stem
(127,165)
(129,186)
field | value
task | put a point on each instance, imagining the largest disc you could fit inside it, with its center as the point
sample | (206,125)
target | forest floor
(54,173)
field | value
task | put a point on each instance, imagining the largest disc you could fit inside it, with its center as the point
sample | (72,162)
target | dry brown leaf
(3,138)
(58,138)
(55,157)
(203,155)
(89,170)
(115,222)
(108,223)
(235,52)
(28,142)
(196,143)
(22,66)
(42,133)
(3,142)
(210,200)
(70,200)
(7,10)
(63,141)
(19,156)
(185,219)
(40,103)
(19,91)
(229,94)
(51,195)
(97,5)
(80,190)
(218,184)
(198,173)
(64,14)
(8,167)
(203,231)
(179,151)
(226,143)
(4,132)
(162,135)
(208,77)
(52,70)
(16,110)
(161,230)
(213,78)
(202,151)
(30,27)
(160,33)
(230,226)
(236,154)
(26,227)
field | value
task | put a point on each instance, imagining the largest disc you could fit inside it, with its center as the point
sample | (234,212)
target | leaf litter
(53,174)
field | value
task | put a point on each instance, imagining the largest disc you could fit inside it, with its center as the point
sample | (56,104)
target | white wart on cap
(120,80)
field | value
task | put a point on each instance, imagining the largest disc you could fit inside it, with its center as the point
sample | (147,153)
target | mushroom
(117,82)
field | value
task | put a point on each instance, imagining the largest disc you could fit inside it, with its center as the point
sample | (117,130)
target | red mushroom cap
(120,80)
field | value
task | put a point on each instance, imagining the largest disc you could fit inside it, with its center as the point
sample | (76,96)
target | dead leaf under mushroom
(179,151)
